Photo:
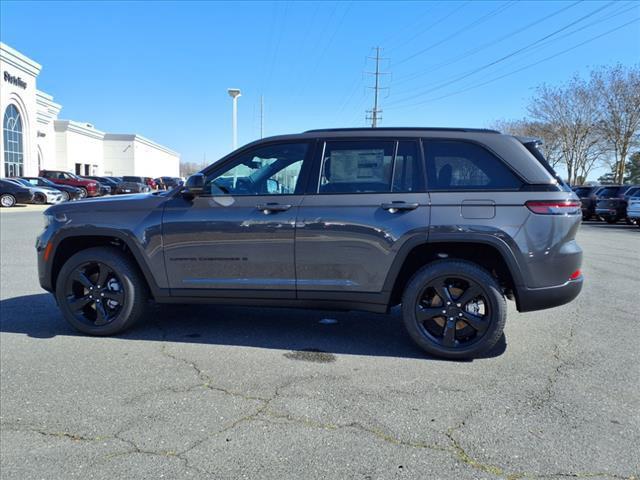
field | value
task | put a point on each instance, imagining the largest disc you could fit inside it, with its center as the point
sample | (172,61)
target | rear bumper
(530,299)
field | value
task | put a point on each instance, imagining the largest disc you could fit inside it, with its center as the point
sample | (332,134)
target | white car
(41,195)
(633,208)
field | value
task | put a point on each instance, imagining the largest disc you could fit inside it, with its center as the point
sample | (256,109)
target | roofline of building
(18,60)
(134,137)
(77,127)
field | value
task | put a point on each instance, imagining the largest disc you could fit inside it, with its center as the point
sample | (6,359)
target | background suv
(611,204)
(88,188)
(446,222)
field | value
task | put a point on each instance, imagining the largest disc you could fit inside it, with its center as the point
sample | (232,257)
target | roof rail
(426,129)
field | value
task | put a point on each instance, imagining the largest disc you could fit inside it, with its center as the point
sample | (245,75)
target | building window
(13,151)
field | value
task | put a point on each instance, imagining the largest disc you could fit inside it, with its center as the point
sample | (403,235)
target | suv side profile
(448,223)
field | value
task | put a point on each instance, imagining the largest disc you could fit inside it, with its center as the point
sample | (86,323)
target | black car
(170,182)
(68,192)
(588,198)
(12,193)
(611,204)
(358,219)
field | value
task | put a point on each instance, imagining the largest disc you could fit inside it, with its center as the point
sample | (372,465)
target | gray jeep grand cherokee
(446,222)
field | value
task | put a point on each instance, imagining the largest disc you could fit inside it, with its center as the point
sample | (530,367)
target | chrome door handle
(268,208)
(395,207)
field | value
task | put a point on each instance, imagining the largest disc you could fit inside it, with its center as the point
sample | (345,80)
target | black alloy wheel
(94,293)
(101,291)
(40,198)
(454,309)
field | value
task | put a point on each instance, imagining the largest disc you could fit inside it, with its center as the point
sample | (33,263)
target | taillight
(575,275)
(553,207)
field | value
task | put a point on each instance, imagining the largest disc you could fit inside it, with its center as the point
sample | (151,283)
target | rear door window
(370,166)
(459,165)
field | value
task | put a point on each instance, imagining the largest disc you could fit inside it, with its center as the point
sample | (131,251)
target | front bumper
(530,299)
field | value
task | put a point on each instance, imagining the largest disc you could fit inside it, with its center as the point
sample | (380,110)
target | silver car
(41,195)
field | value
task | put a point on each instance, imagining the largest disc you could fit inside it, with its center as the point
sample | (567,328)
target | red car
(89,188)
(151,183)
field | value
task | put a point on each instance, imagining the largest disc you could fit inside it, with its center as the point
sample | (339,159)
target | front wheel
(100,291)
(83,193)
(65,196)
(7,200)
(454,309)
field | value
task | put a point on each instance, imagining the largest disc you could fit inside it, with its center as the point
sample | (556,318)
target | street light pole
(234,93)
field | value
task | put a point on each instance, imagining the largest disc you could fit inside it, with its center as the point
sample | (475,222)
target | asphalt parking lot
(232,392)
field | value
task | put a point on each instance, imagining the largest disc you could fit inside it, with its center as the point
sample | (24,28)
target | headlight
(48,220)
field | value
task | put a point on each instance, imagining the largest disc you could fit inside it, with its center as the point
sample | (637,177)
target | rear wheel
(40,198)
(7,200)
(100,291)
(454,309)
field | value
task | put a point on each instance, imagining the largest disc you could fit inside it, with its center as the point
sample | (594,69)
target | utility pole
(375,111)
(261,116)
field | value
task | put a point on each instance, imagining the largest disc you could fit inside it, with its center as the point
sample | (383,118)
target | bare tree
(617,90)
(570,113)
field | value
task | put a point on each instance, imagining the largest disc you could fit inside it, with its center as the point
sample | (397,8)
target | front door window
(270,170)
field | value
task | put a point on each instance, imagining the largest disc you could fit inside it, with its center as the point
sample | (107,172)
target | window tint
(357,167)
(453,165)
(407,175)
(269,170)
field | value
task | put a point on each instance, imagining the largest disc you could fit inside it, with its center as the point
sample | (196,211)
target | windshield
(583,191)
(608,192)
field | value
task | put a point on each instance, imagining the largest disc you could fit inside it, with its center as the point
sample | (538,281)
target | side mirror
(195,184)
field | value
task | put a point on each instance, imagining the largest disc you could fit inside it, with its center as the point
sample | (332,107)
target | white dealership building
(34,139)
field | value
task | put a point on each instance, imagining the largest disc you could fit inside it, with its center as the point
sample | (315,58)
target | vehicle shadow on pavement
(352,333)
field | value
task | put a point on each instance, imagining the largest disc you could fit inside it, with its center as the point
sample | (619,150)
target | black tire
(475,342)
(40,198)
(131,294)
(7,200)
(83,193)
(611,220)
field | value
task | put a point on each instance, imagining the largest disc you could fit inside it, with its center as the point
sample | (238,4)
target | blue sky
(161,69)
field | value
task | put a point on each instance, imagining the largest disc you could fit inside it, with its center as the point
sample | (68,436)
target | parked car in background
(68,192)
(89,188)
(611,204)
(140,180)
(150,182)
(633,208)
(588,199)
(41,195)
(171,182)
(107,185)
(12,193)
(131,187)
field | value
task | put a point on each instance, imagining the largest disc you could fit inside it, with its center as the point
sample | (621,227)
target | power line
(375,111)
(484,46)
(475,23)
(430,26)
(550,57)
(499,60)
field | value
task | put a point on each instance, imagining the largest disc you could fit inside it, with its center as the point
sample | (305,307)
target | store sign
(17,81)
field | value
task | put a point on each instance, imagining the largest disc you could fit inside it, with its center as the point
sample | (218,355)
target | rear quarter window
(459,165)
